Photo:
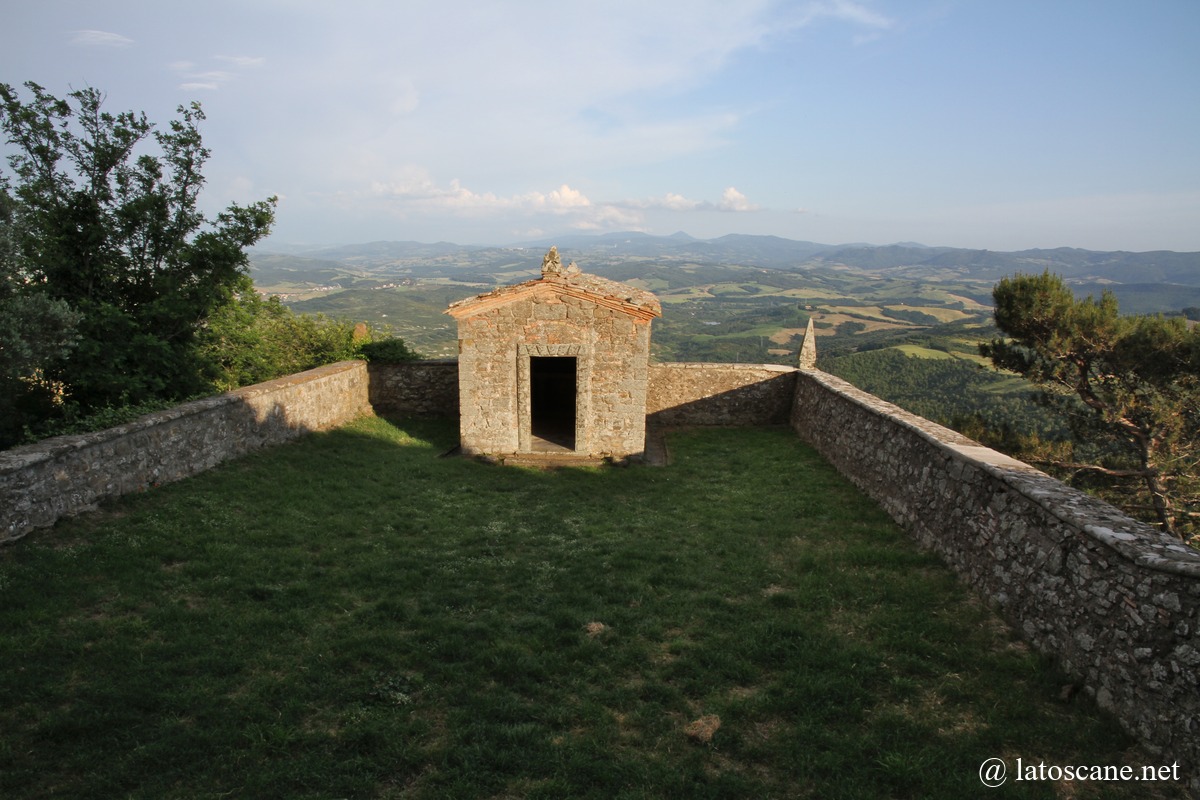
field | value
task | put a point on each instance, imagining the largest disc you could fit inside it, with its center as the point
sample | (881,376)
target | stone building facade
(558,364)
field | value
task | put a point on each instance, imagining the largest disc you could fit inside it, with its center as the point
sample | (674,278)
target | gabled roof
(601,291)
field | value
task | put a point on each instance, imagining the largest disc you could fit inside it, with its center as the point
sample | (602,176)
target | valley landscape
(736,298)
(902,321)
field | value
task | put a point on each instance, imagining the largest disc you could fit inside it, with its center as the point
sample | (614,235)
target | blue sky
(1000,124)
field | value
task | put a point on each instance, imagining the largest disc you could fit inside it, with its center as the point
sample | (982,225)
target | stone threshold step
(551,460)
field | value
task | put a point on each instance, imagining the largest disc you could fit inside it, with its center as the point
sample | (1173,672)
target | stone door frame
(583,394)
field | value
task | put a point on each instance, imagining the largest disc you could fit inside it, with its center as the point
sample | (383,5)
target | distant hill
(774,252)
(1144,298)
(734,298)
(273,269)
(388,250)
(1076,265)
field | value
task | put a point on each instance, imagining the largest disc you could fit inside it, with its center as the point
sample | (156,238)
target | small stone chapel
(555,365)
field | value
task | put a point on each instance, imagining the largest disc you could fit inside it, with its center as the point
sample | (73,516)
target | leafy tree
(34,329)
(255,339)
(1130,385)
(389,350)
(104,222)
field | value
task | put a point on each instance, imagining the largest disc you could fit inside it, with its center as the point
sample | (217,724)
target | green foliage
(72,420)
(103,223)
(959,394)
(850,327)
(388,351)
(252,340)
(35,329)
(1130,385)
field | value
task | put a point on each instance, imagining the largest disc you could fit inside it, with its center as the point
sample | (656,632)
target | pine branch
(1114,473)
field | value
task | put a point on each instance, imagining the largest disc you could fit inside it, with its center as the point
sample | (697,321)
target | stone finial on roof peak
(571,280)
(552,264)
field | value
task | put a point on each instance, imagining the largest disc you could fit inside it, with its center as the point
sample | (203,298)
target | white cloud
(413,191)
(414,185)
(733,200)
(677,202)
(406,181)
(242,62)
(212,76)
(100,39)
(843,10)
(548,89)
(857,13)
(608,217)
(565,197)
(196,79)
(671,201)
(509,99)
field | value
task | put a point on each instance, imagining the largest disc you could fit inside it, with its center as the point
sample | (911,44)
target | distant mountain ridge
(1077,266)
(732,298)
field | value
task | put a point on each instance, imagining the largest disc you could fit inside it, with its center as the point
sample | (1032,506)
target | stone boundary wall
(47,480)
(1115,601)
(41,482)
(719,394)
(677,393)
(415,388)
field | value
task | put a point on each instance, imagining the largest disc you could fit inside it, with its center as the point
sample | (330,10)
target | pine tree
(1131,385)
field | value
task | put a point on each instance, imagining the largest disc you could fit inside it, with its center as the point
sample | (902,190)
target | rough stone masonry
(504,337)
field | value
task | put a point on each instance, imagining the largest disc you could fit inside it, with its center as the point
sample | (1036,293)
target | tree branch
(1115,473)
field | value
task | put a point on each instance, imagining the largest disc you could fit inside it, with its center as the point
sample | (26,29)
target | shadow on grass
(353,616)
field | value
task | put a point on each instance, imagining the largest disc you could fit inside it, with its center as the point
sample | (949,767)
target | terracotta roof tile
(579,284)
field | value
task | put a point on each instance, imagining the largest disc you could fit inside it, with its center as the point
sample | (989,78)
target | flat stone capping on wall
(41,482)
(415,388)
(1115,601)
(719,394)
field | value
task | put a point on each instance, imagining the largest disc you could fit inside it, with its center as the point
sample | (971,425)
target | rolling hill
(737,297)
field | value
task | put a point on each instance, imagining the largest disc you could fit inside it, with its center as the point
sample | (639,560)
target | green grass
(352,616)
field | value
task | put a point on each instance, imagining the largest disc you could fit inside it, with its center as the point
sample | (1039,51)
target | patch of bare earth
(702,730)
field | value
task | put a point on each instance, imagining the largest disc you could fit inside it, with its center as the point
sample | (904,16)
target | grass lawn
(352,616)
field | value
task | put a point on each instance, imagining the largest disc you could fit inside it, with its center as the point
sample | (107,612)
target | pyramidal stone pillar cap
(808,350)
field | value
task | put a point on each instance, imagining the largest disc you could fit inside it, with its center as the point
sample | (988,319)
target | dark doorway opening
(552,402)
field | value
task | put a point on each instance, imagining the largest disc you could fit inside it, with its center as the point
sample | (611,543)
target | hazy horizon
(551,239)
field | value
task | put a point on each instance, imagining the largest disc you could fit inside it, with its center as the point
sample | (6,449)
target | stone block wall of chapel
(613,352)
